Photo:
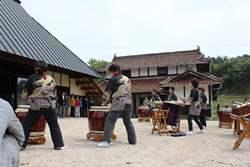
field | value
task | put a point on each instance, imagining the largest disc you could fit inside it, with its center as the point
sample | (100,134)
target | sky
(101,28)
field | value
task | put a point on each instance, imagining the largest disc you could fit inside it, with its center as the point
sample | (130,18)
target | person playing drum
(41,91)
(118,92)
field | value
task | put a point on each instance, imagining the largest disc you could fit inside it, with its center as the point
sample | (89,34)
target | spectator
(203,99)
(11,136)
(62,104)
(77,106)
(72,105)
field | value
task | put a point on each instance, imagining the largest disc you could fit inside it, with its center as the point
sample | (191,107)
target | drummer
(173,109)
(41,91)
(118,91)
(154,98)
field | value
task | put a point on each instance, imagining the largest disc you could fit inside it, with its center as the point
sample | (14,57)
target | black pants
(197,121)
(51,117)
(72,111)
(111,120)
(203,117)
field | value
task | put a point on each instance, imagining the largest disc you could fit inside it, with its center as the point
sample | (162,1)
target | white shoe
(189,133)
(103,144)
(60,148)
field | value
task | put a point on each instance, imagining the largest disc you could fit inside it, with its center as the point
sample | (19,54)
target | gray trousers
(111,120)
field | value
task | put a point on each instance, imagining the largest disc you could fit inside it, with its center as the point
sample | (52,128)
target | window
(162,71)
(203,68)
(127,73)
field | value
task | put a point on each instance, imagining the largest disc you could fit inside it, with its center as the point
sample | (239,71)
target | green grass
(224,100)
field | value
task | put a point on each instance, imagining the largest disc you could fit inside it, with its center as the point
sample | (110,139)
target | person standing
(86,106)
(11,136)
(146,102)
(41,89)
(195,107)
(68,105)
(81,107)
(72,105)
(62,104)
(173,109)
(118,91)
(155,96)
(77,107)
(203,99)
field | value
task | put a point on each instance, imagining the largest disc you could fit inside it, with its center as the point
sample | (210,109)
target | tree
(235,71)
(96,64)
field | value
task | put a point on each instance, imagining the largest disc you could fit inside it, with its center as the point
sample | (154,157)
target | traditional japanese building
(163,70)
(23,41)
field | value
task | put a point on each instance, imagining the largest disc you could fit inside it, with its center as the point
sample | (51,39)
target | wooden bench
(243,121)
(239,111)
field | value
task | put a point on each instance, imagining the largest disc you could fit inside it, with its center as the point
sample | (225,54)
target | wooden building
(23,41)
(162,70)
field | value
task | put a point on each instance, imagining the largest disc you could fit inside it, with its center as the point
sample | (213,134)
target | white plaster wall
(143,71)
(179,91)
(194,68)
(188,90)
(57,78)
(171,69)
(76,90)
(152,71)
(65,80)
(135,72)
(181,69)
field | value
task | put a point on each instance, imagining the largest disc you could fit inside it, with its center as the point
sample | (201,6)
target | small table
(179,104)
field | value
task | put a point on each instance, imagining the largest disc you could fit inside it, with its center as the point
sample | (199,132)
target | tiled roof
(186,77)
(145,85)
(139,85)
(188,57)
(23,36)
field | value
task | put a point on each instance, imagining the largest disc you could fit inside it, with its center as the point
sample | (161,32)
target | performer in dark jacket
(41,91)
(173,109)
(118,91)
(203,99)
(195,108)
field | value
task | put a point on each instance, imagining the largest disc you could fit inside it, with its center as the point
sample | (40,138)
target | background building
(162,70)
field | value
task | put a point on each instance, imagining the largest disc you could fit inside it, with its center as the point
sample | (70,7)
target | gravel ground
(212,149)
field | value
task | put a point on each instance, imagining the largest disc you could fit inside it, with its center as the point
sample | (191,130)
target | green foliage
(235,71)
(97,64)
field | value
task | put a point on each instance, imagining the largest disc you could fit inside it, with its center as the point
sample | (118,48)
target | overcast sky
(100,28)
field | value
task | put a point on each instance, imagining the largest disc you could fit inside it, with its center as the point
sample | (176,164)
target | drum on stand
(96,121)
(37,132)
(143,114)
